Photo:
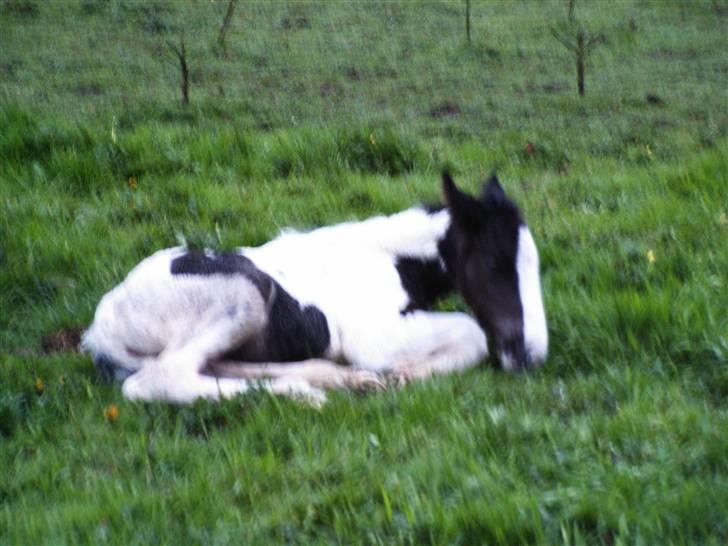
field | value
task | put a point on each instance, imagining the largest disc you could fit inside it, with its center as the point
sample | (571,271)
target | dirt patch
(654,100)
(21,8)
(295,22)
(444,110)
(65,340)
(554,87)
(353,74)
(10,68)
(328,89)
(663,123)
(90,90)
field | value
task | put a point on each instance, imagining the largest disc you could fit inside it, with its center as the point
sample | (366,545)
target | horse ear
(464,210)
(493,192)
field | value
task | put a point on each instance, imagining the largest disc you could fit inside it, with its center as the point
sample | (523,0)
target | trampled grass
(325,112)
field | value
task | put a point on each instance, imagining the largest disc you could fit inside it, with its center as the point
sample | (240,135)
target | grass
(325,112)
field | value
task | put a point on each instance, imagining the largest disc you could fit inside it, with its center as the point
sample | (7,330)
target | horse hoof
(403,377)
(399,379)
(365,381)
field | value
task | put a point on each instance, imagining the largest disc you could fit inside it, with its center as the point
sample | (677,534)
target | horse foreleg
(427,343)
(319,373)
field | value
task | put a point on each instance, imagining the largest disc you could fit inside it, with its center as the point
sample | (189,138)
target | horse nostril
(514,357)
(510,362)
(506,362)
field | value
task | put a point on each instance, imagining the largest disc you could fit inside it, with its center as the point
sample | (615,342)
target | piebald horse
(342,306)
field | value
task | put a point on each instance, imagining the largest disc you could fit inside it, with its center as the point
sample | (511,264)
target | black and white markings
(293,331)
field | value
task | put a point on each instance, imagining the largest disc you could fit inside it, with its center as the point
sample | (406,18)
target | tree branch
(225,25)
(181,54)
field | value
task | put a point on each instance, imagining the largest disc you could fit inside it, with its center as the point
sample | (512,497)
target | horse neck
(424,251)
(419,240)
(414,233)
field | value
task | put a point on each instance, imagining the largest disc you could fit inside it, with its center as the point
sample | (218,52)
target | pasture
(313,113)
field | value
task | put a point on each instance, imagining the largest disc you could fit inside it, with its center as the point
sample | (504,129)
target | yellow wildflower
(111,413)
(651,256)
(39,385)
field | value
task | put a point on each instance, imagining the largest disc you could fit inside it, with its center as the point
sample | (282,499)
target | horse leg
(319,373)
(175,374)
(428,343)
(184,390)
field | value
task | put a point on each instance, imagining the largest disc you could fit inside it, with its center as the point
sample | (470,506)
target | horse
(346,306)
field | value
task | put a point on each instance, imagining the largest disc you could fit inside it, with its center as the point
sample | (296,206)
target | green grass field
(321,112)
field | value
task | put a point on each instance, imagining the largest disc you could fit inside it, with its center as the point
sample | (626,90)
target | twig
(221,46)
(181,53)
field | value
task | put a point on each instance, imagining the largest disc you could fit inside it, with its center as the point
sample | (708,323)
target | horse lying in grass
(343,306)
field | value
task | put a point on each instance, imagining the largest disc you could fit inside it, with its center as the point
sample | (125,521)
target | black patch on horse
(293,332)
(425,281)
(196,262)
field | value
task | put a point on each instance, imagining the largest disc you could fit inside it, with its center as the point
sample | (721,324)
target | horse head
(496,269)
